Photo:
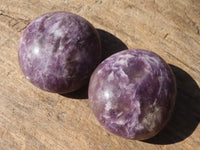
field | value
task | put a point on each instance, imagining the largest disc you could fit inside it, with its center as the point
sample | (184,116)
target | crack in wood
(14,22)
(197,29)
(194,24)
(166,35)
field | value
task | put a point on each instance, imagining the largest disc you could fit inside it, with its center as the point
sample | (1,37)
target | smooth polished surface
(132,93)
(58,52)
(32,119)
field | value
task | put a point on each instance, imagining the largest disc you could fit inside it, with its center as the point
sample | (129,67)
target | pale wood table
(31,119)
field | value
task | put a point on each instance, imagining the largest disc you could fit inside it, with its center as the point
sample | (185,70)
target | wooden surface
(31,119)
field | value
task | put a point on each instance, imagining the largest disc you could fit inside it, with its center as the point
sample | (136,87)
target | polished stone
(132,93)
(59,51)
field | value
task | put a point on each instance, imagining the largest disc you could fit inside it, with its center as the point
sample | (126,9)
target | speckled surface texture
(58,52)
(132,93)
(32,119)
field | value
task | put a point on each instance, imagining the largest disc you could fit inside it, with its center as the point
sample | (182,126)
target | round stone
(59,51)
(132,93)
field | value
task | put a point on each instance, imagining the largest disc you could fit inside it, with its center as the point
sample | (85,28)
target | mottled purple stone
(132,93)
(59,51)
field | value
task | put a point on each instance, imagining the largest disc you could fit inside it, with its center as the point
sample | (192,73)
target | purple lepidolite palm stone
(132,93)
(59,51)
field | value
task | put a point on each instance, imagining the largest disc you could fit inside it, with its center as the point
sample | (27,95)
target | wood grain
(31,119)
